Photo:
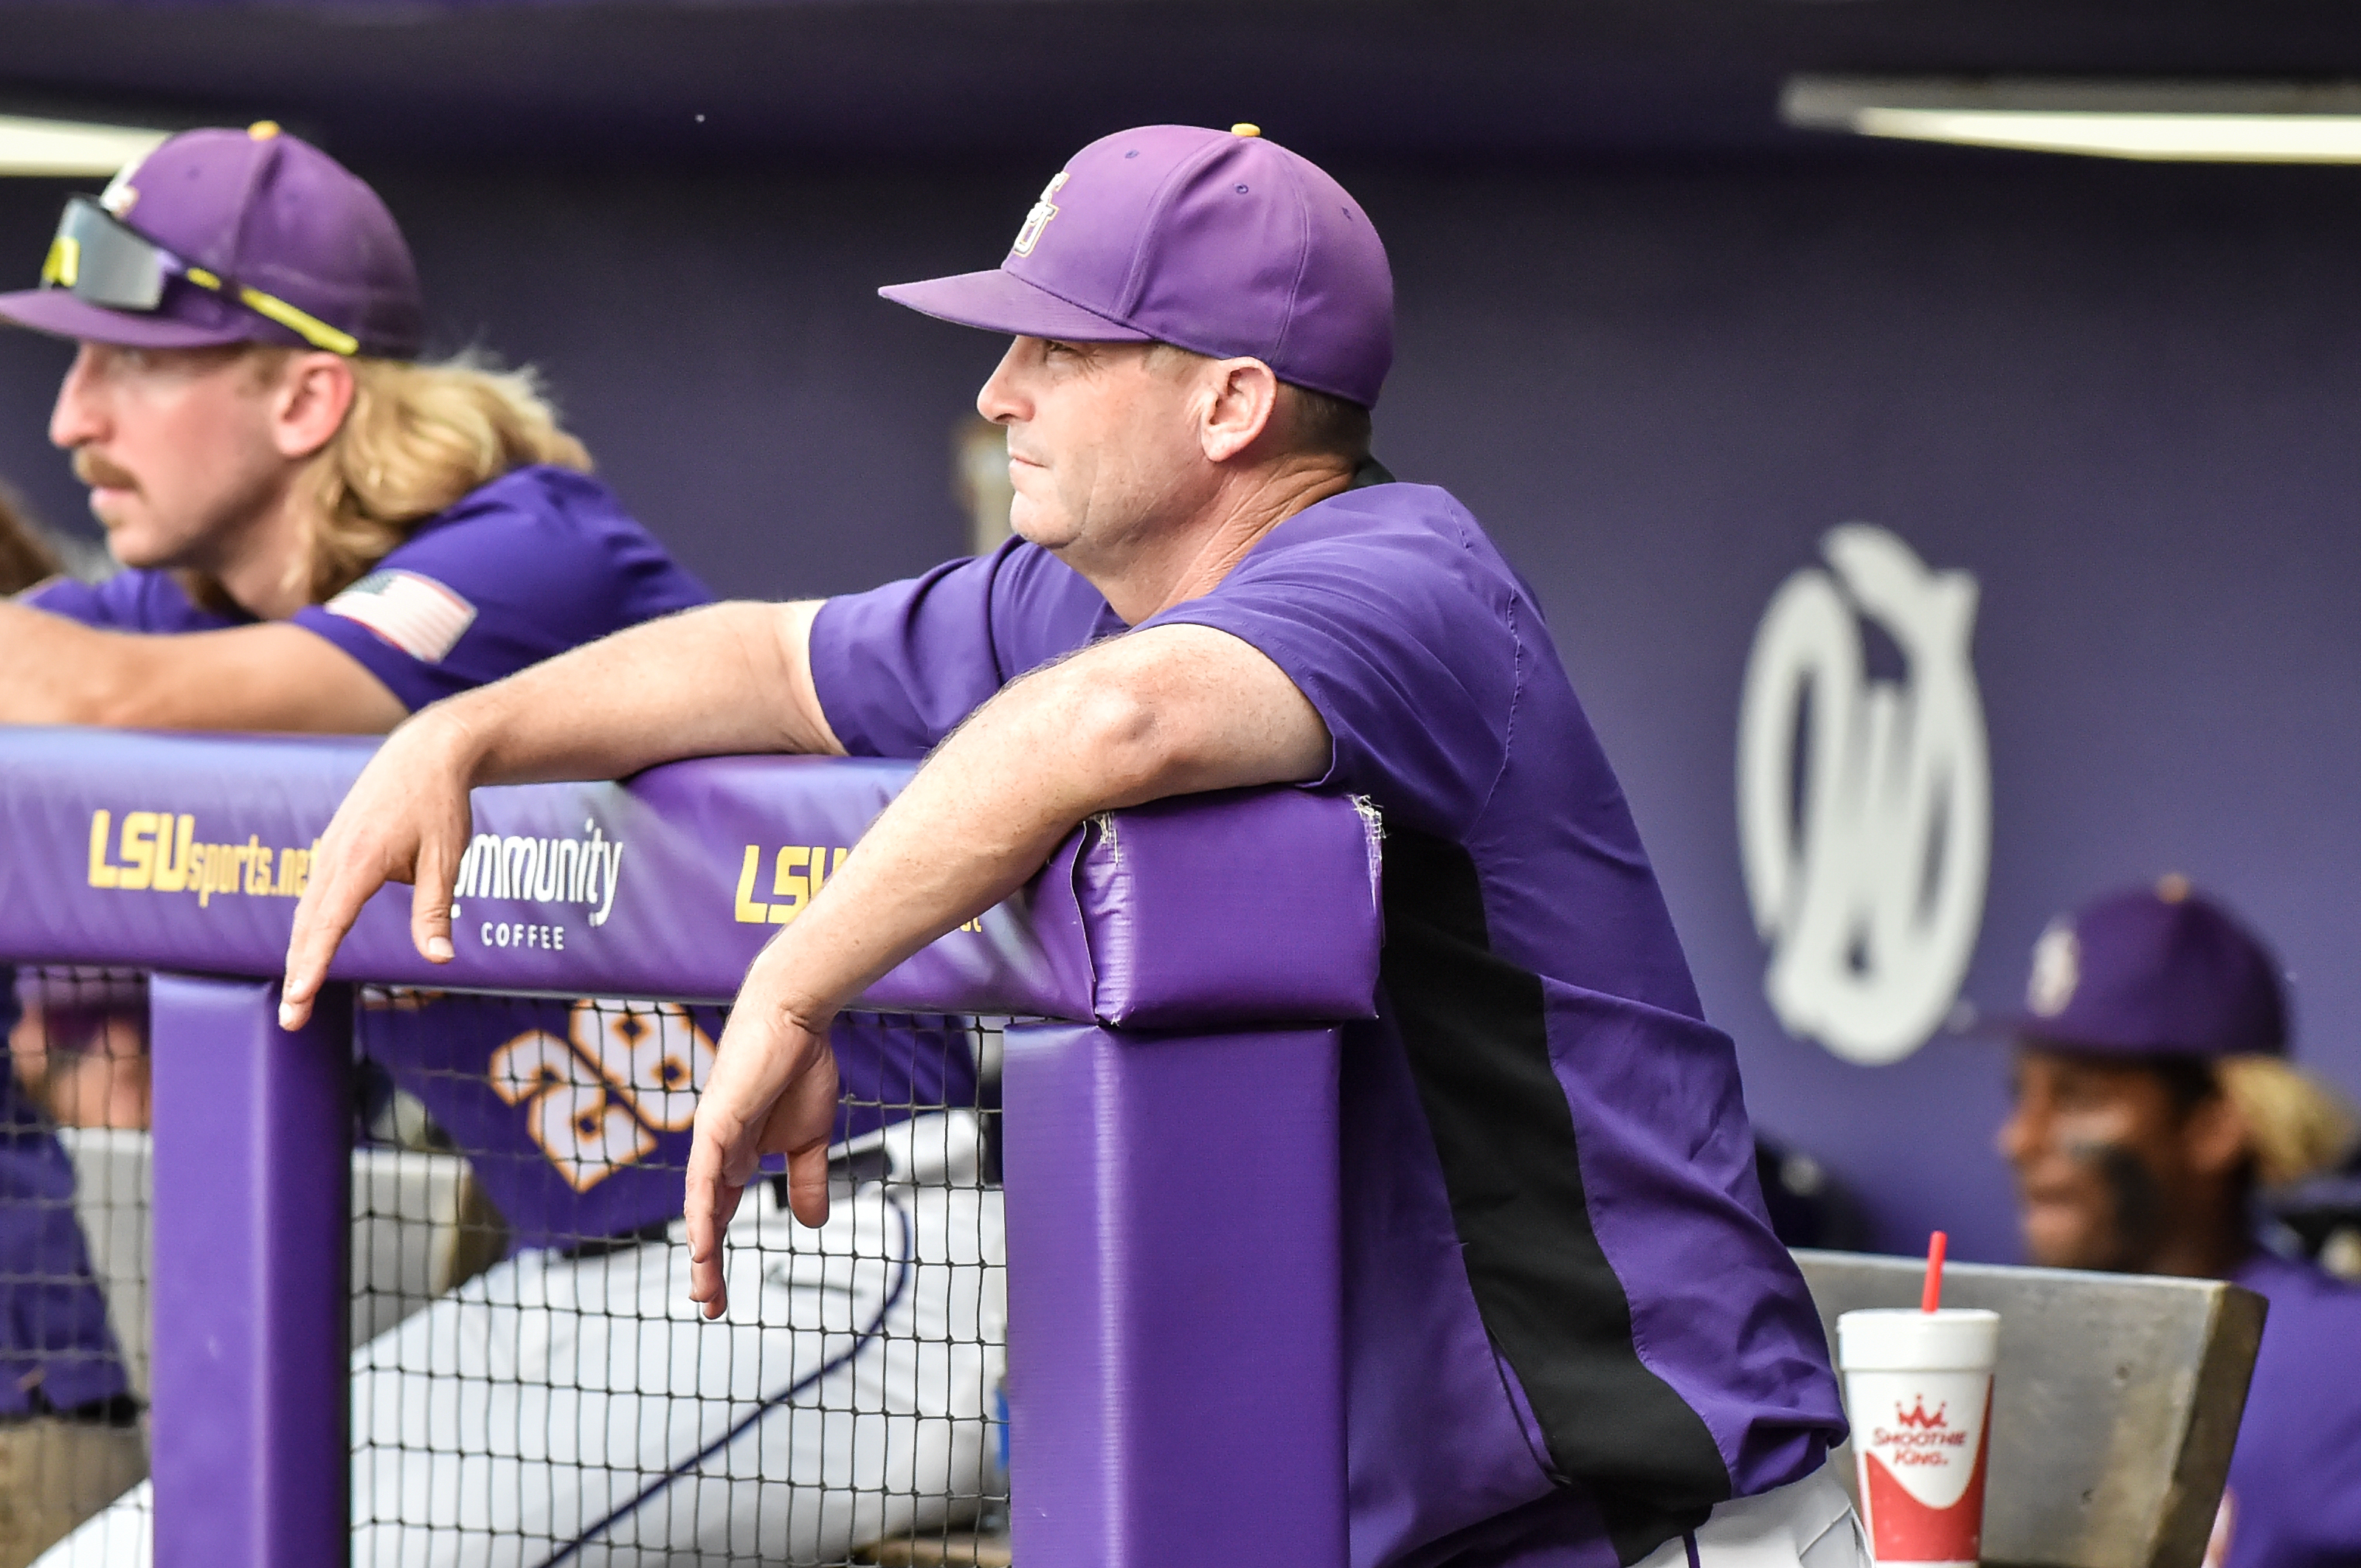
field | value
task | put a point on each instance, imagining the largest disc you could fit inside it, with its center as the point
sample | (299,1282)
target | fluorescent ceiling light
(2217,139)
(2164,121)
(69,149)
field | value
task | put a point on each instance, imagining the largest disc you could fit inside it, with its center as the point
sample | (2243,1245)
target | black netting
(536,1386)
(531,1384)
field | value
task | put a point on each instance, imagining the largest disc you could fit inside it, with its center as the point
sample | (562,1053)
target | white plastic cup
(1918,1394)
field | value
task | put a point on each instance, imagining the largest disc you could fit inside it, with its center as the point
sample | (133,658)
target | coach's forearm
(1174,711)
(1166,710)
(961,837)
(724,679)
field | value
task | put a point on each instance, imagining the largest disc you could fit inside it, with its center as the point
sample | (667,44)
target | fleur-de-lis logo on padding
(1917,1415)
(1039,218)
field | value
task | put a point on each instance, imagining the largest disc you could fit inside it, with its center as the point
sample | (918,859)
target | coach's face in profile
(1110,443)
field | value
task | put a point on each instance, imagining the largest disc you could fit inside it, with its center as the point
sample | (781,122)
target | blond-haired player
(320,532)
(317,534)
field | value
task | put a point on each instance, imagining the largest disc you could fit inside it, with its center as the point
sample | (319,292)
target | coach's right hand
(405,819)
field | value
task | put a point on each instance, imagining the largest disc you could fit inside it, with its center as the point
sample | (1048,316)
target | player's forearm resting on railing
(270,676)
(1168,711)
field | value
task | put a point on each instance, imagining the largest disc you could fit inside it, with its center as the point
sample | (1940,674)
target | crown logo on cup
(1917,1415)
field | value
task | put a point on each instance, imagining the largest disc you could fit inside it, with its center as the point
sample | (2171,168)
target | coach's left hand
(406,818)
(772,1091)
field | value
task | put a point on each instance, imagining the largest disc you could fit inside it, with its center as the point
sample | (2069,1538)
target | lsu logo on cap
(1039,218)
(2057,970)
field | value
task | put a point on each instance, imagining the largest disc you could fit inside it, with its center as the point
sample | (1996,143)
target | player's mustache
(100,474)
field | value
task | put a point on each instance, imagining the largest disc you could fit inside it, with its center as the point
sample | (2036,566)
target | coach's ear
(308,404)
(1236,398)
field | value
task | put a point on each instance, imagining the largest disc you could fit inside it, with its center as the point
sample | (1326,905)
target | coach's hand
(772,1091)
(405,819)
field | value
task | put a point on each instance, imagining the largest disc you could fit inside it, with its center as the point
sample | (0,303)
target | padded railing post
(1176,1335)
(251,1383)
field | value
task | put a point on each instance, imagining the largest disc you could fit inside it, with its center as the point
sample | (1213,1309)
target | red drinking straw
(1932,1296)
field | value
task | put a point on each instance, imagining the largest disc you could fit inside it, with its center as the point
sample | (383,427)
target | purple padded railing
(1175,1325)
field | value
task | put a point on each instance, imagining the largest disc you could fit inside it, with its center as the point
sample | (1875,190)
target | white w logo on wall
(1864,796)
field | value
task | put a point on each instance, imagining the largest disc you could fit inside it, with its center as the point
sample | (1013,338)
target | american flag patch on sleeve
(417,615)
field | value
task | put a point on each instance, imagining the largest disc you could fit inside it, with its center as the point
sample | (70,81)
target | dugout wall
(1175,1381)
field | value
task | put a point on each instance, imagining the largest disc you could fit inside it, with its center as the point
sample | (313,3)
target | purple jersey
(541,560)
(575,1117)
(1570,1330)
(2295,1481)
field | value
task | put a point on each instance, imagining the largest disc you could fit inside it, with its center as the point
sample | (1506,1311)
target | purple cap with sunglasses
(1219,242)
(222,236)
(2154,972)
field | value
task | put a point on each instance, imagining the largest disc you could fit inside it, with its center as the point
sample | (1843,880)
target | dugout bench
(2115,1402)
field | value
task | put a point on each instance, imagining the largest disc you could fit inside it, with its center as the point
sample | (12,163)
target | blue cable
(867,1337)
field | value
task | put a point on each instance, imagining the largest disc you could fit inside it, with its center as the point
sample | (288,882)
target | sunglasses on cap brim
(101,262)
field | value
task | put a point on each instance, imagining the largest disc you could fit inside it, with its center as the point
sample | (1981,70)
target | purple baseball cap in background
(1215,241)
(223,237)
(2154,972)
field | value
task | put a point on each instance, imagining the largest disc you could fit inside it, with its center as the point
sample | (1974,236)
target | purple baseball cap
(223,237)
(1219,242)
(2154,972)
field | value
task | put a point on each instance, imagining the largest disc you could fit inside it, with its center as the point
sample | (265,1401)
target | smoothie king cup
(1918,1394)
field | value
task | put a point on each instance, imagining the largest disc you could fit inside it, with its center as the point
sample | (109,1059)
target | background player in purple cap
(2153,1099)
(321,533)
(318,535)
(1572,1336)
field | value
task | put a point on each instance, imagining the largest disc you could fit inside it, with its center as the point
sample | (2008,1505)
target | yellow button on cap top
(263,130)
(1243,129)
